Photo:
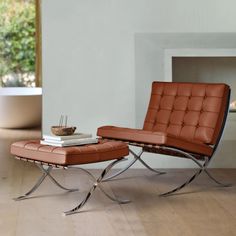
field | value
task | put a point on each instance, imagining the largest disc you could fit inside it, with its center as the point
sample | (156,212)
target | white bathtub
(20,107)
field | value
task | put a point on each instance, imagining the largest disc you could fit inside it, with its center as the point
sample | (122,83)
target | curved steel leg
(137,157)
(100,187)
(202,168)
(47,172)
(120,171)
(216,181)
(191,179)
(95,185)
(145,164)
(182,185)
(38,183)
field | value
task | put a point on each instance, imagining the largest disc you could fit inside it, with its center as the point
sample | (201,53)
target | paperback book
(69,137)
(67,143)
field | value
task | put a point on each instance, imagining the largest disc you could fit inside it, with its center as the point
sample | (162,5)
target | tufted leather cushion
(191,111)
(103,151)
(186,116)
(153,138)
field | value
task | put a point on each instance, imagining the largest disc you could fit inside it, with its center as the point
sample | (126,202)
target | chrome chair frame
(137,157)
(202,166)
(46,172)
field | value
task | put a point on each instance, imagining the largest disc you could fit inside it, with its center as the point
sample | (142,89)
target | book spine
(90,141)
(50,143)
(71,141)
(64,138)
(81,143)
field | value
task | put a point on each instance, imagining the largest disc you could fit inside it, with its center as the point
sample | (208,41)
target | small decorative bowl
(63,130)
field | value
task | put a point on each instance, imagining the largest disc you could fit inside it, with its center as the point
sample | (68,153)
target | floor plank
(201,209)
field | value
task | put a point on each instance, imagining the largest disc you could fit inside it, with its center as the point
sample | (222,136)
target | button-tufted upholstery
(188,116)
(187,110)
(75,155)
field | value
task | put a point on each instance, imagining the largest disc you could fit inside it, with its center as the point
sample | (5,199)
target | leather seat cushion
(103,151)
(154,138)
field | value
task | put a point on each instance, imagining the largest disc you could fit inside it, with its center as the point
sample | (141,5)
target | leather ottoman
(48,157)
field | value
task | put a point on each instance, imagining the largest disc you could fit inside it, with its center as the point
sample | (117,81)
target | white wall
(89,54)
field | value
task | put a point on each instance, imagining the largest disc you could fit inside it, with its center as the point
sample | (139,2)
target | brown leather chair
(184,120)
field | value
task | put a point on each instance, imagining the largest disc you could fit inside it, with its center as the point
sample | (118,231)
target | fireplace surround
(165,56)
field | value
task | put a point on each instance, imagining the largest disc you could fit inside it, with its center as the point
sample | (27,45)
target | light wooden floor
(203,208)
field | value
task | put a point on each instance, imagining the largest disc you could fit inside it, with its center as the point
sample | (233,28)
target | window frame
(38,48)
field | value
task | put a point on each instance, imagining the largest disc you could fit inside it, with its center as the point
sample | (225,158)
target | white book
(67,144)
(69,141)
(67,137)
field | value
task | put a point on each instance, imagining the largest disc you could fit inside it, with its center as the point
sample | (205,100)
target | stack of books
(70,140)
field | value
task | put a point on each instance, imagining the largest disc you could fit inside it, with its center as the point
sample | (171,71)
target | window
(20,44)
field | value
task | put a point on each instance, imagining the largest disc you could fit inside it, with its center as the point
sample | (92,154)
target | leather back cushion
(192,111)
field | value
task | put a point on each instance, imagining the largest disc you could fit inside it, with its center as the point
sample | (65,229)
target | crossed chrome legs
(202,168)
(97,183)
(137,157)
(46,172)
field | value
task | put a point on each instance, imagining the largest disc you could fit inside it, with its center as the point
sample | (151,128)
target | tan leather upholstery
(154,138)
(103,151)
(192,111)
(187,116)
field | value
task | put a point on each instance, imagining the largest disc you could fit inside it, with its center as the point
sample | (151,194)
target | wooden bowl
(63,130)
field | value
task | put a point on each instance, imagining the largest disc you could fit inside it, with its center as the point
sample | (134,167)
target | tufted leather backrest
(193,111)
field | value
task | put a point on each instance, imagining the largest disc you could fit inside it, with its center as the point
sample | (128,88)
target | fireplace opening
(206,69)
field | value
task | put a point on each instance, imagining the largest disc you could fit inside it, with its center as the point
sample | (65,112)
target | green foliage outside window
(17,41)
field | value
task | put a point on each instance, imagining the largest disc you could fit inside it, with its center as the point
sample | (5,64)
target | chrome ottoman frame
(46,169)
